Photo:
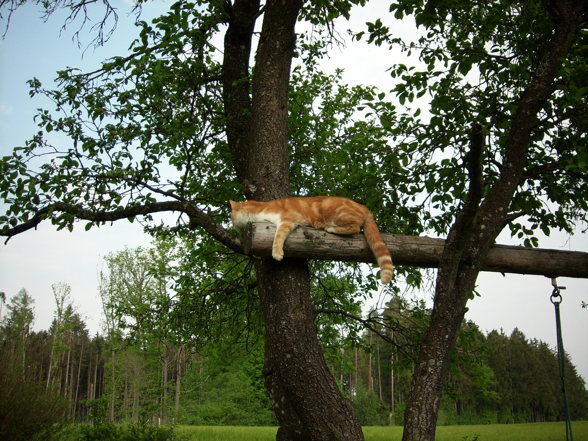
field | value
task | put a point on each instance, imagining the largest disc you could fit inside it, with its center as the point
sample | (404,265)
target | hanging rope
(556,299)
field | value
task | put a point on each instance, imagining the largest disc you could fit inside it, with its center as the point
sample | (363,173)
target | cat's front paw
(278,255)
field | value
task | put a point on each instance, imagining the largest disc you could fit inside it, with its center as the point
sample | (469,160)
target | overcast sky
(37,259)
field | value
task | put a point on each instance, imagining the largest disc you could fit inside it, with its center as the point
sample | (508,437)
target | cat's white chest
(274,218)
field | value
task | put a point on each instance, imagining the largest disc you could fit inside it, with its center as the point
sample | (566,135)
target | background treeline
(171,354)
(495,378)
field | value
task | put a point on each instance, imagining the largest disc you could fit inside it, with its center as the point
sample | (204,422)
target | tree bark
(241,17)
(305,396)
(475,230)
(424,252)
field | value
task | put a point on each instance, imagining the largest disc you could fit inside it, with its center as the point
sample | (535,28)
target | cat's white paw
(278,255)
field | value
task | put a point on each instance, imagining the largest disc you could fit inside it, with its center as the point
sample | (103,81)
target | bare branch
(369,323)
(78,11)
(513,216)
(550,168)
(197,218)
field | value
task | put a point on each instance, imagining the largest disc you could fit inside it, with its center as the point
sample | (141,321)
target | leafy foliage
(142,126)
(27,408)
(149,126)
(475,62)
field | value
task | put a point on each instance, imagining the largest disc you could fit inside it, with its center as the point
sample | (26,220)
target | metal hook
(555,295)
(554,284)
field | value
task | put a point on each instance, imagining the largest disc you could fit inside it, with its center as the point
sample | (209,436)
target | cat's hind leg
(344,224)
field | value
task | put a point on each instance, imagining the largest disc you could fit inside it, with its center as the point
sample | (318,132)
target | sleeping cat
(333,214)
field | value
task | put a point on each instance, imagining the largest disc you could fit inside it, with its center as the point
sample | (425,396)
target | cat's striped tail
(379,248)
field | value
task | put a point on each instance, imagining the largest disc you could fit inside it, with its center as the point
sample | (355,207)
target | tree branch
(555,166)
(78,10)
(241,17)
(512,216)
(368,323)
(476,154)
(461,231)
(197,218)
(379,327)
(423,252)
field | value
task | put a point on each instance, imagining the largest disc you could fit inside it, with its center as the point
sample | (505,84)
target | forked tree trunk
(475,230)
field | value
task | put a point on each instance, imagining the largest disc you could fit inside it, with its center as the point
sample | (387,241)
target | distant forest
(149,364)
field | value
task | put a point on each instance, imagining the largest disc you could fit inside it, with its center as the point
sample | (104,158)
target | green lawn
(226,433)
(491,432)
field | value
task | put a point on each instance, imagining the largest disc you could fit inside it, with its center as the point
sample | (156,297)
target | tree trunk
(95,381)
(474,232)
(370,368)
(179,359)
(23,356)
(164,375)
(51,360)
(392,407)
(126,397)
(305,396)
(79,376)
(112,387)
(89,377)
(100,379)
(136,394)
(306,399)
(67,385)
(356,370)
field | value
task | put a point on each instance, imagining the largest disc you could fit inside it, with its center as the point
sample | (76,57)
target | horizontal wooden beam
(424,252)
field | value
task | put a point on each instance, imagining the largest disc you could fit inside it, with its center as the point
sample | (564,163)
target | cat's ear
(233,204)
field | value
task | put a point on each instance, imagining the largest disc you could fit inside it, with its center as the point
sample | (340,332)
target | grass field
(491,432)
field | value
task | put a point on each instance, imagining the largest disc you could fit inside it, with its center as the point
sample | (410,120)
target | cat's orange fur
(333,214)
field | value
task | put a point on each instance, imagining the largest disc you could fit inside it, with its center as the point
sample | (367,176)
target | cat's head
(238,214)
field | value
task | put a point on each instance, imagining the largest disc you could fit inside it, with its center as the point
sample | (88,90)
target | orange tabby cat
(333,214)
